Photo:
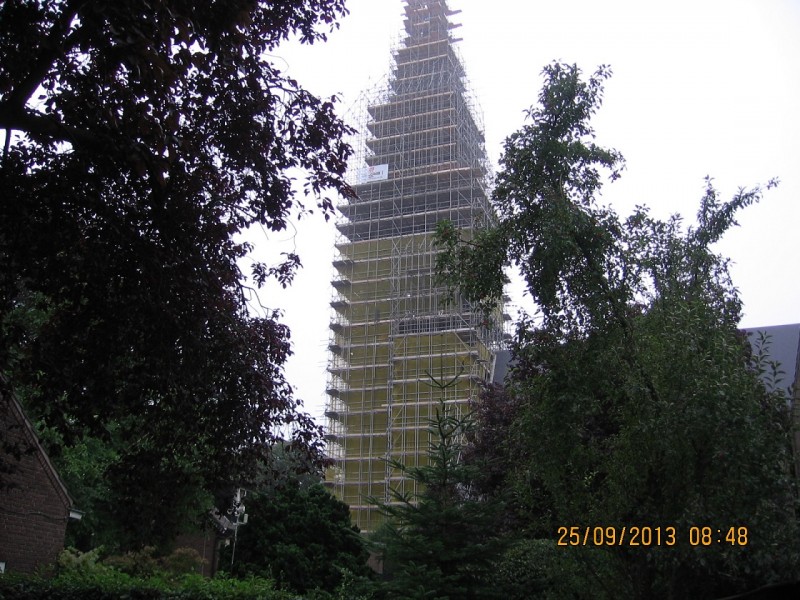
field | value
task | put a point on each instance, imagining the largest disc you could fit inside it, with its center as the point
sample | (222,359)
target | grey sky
(700,87)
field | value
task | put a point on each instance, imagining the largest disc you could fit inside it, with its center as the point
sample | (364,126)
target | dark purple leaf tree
(140,139)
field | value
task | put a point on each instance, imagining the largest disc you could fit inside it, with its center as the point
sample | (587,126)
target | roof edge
(33,438)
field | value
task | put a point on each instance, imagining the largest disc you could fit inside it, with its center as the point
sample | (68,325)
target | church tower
(394,331)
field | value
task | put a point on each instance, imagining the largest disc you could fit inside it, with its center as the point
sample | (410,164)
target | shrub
(144,563)
(134,576)
(113,585)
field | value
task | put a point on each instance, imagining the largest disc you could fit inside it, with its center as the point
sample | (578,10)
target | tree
(300,536)
(141,139)
(441,544)
(489,449)
(297,533)
(639,404)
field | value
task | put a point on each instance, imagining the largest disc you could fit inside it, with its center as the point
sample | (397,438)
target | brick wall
(34,512)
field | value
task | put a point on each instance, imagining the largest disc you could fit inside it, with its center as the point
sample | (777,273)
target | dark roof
(16,412)
(501,363)
(783,347)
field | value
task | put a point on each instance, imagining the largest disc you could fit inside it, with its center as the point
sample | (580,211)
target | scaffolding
(420,159)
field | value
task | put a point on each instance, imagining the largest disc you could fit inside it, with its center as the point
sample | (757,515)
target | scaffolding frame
(394,324)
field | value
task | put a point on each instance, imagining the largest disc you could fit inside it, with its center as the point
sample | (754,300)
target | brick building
(34,503)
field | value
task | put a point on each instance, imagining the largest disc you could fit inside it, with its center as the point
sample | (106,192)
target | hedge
(113,585)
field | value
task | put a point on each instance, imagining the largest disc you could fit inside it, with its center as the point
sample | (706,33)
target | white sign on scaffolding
(375,173)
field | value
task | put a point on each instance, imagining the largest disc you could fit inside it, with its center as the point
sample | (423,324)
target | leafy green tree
(639,403)
(298,535)
(441,543)
(140,140)
(489,450)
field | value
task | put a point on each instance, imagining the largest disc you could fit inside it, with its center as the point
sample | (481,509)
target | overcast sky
(700,87)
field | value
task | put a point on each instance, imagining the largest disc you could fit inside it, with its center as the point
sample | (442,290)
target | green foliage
(472,273)
(135,576)
(71,560)
(141,563)
(182,561)
(549,174)
(351,587)
(140,142)
(113,585)
(636,400)
(442,543)
(286,465)
(538,569)
(83,466)
(299,536)
(145,563)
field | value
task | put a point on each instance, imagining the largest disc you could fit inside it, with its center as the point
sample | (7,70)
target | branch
(98,144)
(6,147)
(17,118)
(50,50)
